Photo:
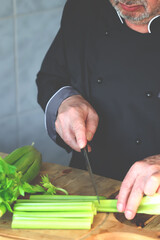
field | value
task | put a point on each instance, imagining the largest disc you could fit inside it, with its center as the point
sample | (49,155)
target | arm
(70,115)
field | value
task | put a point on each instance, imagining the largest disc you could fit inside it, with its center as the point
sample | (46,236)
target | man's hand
(142,178)
(76,122)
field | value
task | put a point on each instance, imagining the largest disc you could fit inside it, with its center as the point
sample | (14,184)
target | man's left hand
(142,178)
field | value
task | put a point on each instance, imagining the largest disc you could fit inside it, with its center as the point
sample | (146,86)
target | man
(99,83)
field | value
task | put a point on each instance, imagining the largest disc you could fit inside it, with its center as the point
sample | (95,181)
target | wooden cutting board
(105,226)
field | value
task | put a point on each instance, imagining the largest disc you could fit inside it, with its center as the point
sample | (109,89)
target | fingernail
(89,136)
(81,144)
(129,215)
(120,207)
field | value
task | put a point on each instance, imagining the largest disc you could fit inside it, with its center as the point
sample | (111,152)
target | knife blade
(84,151)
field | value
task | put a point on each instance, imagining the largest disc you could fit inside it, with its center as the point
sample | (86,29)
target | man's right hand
(76,122)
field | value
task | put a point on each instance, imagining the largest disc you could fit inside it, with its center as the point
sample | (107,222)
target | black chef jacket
(117,70)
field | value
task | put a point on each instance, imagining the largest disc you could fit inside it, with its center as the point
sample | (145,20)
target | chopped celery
(67,206)
(66,197)
(70,211)
(81,214)
(52,224)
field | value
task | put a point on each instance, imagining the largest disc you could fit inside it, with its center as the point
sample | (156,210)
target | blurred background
(27,28)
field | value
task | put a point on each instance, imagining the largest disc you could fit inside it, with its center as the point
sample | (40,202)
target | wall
(27,30)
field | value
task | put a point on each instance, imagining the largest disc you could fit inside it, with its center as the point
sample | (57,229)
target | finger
(134,199)
(91,125)
(66,133)
(152,184)
(158,190)
(79,131)
(125,189)
(89,148)
(116,197)
(70,140)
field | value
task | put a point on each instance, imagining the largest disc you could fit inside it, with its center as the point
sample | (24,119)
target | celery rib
(53,224)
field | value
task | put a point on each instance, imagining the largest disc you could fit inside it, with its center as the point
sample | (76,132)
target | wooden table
(105,226)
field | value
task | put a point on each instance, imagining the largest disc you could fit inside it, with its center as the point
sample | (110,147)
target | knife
(84,151)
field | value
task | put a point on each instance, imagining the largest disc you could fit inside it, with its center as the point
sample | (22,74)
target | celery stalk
(67,206)
(51,224)
(66,197)
(45,218)
(54,214)
(148,205)
(54,200)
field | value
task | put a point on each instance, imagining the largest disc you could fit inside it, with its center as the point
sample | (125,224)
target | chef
(99,85)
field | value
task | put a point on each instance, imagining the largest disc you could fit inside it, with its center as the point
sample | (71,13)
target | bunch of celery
(60,212)
(70,211)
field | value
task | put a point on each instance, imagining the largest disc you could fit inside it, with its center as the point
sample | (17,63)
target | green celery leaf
(28,188)
(21,190)
(8,206)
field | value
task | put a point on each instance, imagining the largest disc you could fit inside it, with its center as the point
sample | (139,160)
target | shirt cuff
(52,108)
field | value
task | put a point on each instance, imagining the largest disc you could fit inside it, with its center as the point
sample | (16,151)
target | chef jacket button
(149,94)
(99,81)
(138,141)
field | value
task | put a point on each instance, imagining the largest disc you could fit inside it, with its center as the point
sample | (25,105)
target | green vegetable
(18,153)
(49,215)
(79,214)
(58,206)
(26,159)
(69,211)
(148,205)
(51,189)
(52,224)
(66,197)
(12,185)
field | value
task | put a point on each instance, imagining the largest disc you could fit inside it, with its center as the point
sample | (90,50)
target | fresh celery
(148,205)
(3,209)
(65,197)
(81,214)
(46,216)
(52,224)
(67,206)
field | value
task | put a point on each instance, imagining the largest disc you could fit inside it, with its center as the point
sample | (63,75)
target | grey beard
(143,18)
(133,18)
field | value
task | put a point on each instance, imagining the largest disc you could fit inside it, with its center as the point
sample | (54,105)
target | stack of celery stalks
(69,211)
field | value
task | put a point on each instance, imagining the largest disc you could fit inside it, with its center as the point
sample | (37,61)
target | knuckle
(152,168)
(67,139)
(72,110)
(139,165)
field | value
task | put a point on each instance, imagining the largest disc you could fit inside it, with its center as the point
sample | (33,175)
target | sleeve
(52,108)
